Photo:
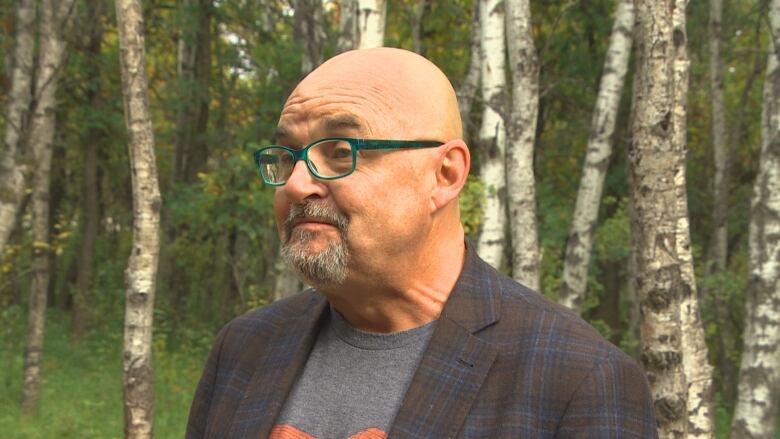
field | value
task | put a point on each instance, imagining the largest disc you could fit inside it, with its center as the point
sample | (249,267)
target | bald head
(395,94)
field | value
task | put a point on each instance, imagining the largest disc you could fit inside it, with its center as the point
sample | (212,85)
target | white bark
(36,312)
(653,158)
(698,371)
(13,167)
(492,135)
(521,134)
(597,156)
(55,17)
(348,22)
(468,88)
(142,264)
(371,23)
(759,376)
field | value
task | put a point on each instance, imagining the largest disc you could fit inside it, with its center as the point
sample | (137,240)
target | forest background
(219,72)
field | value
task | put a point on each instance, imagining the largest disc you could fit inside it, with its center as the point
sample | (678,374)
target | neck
(411,292)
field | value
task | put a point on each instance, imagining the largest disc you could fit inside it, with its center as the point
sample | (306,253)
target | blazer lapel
(456,360)
(275,375)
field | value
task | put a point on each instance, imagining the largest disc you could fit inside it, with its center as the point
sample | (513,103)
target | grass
(81,391)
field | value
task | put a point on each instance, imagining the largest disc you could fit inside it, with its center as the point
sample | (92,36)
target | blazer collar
(279,367)
(475,301)
(456,361)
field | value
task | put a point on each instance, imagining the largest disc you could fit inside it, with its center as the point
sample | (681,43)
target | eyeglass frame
(355,145)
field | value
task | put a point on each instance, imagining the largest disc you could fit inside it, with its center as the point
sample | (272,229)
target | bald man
(406,331)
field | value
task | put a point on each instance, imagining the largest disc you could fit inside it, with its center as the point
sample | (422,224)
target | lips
(299,221)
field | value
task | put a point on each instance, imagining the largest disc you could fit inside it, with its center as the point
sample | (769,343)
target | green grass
(81,392)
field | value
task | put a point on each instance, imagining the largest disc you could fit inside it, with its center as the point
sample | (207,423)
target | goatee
(323,268)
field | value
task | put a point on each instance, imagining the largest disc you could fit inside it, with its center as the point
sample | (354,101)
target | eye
(341,151)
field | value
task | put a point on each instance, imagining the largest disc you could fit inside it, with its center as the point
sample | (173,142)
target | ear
(452,170)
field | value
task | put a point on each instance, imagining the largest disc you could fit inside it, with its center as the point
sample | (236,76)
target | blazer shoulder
(276,314)
(534,317)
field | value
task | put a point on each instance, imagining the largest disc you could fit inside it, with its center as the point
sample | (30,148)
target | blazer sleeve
(614,401)
(201,402)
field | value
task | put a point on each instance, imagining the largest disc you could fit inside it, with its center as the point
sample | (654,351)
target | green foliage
(471,200)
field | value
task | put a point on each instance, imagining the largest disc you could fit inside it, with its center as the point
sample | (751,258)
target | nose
(302,185)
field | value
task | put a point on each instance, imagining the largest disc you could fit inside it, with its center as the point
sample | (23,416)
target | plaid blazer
(503,362)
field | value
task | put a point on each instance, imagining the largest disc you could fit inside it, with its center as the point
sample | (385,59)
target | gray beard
(324,268)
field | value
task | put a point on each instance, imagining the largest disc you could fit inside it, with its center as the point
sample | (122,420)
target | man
(406,333)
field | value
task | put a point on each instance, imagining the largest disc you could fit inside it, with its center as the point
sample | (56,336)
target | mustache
(319,210)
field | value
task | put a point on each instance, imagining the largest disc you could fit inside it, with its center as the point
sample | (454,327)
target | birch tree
(142,265)
(468,88)
(521,134)
(371,23)
(597,157)
(698,372)
(653,158)
(348,25)
(759,376)
(492,136)
(55,17)
(12,164)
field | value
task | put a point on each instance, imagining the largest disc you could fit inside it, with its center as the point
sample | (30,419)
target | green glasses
(327,159)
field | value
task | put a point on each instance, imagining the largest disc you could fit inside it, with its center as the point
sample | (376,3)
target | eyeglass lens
(329,158)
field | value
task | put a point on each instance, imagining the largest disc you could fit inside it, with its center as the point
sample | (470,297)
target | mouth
(307,221)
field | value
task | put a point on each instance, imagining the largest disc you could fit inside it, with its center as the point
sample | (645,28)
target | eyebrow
(340,122)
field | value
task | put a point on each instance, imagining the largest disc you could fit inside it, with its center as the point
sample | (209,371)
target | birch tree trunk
(142,264)
(597,156)
(36,312)
(371,23)
(348,22)
(653,162)
(759,376)
(698,371)
(521,134)
(55,17)
(718,246)
(310,32)
(12,165)
(492,135)
(468,88)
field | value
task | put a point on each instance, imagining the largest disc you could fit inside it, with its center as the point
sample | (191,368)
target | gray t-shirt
(353,382)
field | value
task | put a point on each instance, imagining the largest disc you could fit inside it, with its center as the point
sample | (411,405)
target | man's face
(358,222)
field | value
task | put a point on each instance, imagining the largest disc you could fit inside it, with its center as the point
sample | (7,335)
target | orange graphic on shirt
(289,432)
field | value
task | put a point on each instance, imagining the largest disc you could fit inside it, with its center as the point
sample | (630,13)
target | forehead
(324,104)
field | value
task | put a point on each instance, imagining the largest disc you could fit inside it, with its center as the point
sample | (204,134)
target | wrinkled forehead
(354,102)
